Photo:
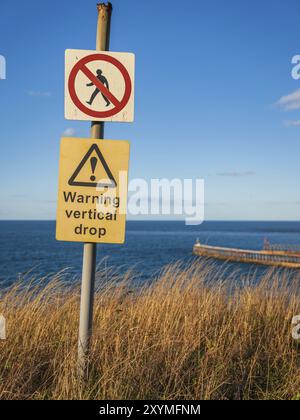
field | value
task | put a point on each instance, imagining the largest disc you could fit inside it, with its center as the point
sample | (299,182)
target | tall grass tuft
(187,336)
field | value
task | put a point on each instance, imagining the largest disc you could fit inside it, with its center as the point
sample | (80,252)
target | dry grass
(180,339)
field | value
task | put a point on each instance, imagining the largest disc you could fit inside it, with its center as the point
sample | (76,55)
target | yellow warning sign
(92,193)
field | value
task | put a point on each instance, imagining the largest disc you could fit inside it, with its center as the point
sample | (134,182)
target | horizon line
(166,220)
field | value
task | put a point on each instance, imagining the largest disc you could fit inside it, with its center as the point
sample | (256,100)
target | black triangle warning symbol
(84,175)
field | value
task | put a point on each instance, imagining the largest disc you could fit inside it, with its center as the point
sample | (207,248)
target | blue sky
(209,75)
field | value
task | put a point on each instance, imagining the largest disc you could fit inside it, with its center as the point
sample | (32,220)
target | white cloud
(69,132)
(290,102)
(295,123)
(38,94)
(235,173)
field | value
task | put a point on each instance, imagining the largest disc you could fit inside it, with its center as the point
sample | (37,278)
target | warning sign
(93,163)
(92,195)
(99,86)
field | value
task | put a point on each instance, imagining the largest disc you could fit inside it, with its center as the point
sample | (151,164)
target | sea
(28,249)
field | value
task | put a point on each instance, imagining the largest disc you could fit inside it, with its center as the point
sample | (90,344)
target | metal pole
(90,249)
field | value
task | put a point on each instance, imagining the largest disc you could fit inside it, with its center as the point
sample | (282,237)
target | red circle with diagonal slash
(81,66)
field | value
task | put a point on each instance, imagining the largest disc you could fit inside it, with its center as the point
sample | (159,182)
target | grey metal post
(90,249)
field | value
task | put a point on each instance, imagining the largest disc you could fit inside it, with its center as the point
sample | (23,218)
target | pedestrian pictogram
(111,75)
(92,194)
(102,79)
(93,171)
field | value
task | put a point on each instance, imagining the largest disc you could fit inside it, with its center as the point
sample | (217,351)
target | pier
(274,257)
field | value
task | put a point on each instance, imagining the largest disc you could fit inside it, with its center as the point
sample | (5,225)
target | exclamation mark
(93,161)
